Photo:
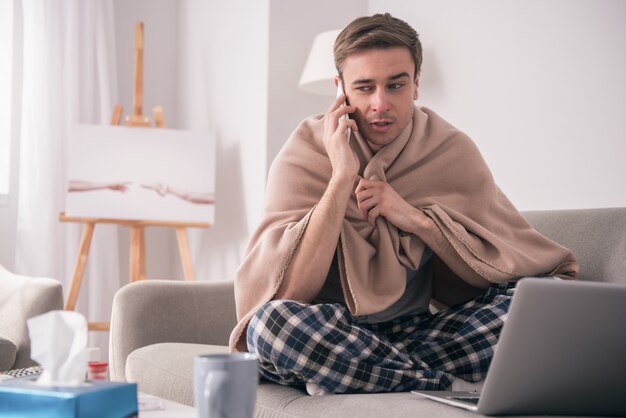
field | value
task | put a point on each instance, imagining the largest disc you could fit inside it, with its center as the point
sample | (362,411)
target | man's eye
(364,88)
(395,86)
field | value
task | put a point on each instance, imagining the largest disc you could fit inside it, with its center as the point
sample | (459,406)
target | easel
(137,259)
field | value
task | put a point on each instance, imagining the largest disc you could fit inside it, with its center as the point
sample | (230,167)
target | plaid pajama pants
(299,343)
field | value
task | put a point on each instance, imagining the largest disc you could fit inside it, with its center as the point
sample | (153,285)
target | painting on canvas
(131,173)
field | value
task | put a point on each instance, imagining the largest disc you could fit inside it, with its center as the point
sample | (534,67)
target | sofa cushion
(7,353)
(166,369)
(277,401)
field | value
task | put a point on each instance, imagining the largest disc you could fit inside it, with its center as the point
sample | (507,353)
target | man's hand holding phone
(340,93)
(337,127)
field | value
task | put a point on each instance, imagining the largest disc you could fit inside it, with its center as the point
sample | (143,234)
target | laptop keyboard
(467,399)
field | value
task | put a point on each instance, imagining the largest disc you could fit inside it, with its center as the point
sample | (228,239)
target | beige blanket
(481,238)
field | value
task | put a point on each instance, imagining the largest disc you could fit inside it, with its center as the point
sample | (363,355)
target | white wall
(539,85)
(222,86)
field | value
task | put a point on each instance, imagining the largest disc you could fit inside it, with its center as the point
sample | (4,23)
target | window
(6,97)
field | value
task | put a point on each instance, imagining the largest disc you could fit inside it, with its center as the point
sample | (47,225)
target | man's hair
(379,31)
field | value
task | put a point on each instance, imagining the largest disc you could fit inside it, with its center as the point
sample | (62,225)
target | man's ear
(417,84)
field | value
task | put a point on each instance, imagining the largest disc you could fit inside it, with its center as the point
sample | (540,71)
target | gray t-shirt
(414,300)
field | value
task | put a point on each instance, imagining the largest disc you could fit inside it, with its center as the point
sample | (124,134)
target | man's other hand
(377,198)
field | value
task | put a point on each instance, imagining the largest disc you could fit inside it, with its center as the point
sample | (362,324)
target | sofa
(157,327)
(21,298)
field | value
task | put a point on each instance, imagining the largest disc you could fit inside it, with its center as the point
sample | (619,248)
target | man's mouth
(381,124)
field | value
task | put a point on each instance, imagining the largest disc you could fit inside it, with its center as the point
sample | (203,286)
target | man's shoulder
(305,139)
(433,118)
(308,131)
(311,124)
(440,129)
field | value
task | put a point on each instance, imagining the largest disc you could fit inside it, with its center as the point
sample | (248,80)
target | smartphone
(339,93)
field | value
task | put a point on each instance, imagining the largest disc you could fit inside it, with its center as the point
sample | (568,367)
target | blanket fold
(480,236)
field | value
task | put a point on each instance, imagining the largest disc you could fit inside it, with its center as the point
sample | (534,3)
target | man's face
(380,83)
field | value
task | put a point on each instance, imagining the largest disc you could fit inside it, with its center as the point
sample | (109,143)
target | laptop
(562,351)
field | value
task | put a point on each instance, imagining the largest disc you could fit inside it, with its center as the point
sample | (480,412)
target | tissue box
(95,399)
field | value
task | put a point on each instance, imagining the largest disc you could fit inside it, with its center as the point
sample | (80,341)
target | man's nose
(380,101)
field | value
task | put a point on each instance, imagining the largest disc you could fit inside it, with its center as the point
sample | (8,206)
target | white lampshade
(319,71)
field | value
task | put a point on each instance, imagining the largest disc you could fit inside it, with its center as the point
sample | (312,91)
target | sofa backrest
(597,237)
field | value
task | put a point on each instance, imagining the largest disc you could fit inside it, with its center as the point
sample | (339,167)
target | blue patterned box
(22,397)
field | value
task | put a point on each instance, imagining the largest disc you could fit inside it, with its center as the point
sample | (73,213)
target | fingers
(337,122)
(339,101)
(120,187)
(367,206)
(338,108)
(370,209)
(368,185)
(368,200)
(345,124)
(370,197)
(373,181)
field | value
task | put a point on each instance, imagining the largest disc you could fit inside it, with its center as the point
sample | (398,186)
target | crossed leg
(298,343)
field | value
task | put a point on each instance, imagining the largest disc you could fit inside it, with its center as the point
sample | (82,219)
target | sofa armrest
(7,353)
(21,298)
(156,311)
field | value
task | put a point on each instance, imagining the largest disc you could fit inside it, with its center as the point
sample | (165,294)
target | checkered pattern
(299,343)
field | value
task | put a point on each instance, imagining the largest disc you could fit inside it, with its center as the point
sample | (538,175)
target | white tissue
(58,342)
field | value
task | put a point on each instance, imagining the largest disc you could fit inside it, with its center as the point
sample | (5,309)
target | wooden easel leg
(142,255)
(99,326)
(79,266)
(137,254)
(116,117)
(185,255)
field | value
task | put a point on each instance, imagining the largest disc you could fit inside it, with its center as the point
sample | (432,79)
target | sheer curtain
(68,77)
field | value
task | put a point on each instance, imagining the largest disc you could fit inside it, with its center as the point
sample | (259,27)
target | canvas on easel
(121,172)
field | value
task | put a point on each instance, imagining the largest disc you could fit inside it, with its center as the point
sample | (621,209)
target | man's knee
(268,322)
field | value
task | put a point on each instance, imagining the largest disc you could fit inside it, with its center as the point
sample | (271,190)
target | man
(360,232)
